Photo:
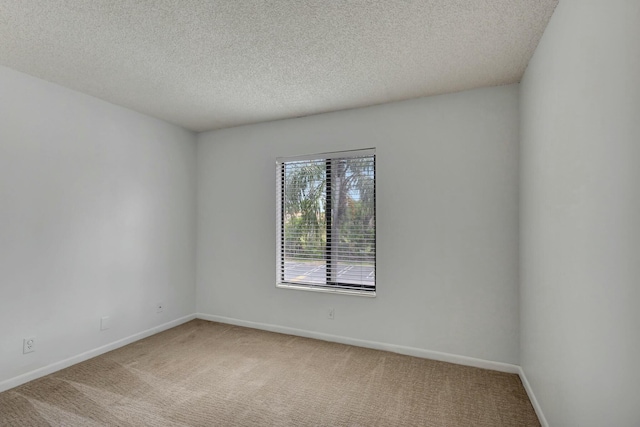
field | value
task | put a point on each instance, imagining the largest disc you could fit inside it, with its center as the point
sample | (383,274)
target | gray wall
(97,218)
(580,223)
(447,205)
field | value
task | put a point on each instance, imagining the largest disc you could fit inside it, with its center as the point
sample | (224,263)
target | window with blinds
(326,222)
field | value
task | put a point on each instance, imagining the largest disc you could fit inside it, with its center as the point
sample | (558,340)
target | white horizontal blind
(326,222)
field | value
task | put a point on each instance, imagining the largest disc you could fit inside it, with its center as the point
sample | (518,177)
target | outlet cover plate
(29,345)
(105,323)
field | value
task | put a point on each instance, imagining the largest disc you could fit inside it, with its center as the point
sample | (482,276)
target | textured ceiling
(216,63)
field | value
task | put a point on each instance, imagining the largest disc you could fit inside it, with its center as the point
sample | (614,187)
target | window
(326,222)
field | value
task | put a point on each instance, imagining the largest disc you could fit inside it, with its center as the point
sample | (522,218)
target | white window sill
(326,290)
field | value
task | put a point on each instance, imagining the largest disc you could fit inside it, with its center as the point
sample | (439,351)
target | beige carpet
(211,374)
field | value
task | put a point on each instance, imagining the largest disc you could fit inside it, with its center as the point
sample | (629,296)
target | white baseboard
(532,398)
(409,351)
(49,369)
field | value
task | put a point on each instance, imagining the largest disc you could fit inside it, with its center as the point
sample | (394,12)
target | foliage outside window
(326,222)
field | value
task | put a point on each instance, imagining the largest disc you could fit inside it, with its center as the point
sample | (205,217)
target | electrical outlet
(159,307)
(105,323)
(28,345)
(331,313)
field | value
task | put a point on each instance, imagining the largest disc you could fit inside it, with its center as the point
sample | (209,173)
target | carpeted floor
(212,374)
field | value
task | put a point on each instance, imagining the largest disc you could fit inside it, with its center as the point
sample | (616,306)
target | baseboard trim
(54,367)
(532,398)
(400,349)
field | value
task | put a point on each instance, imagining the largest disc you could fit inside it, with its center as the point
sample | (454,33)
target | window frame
(329,259)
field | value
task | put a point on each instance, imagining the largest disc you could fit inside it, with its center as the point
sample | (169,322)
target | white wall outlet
(331,313)
(159,307)
(28,345)
(105,323)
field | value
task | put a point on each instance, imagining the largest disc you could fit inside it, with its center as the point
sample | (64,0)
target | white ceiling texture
(209,64)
